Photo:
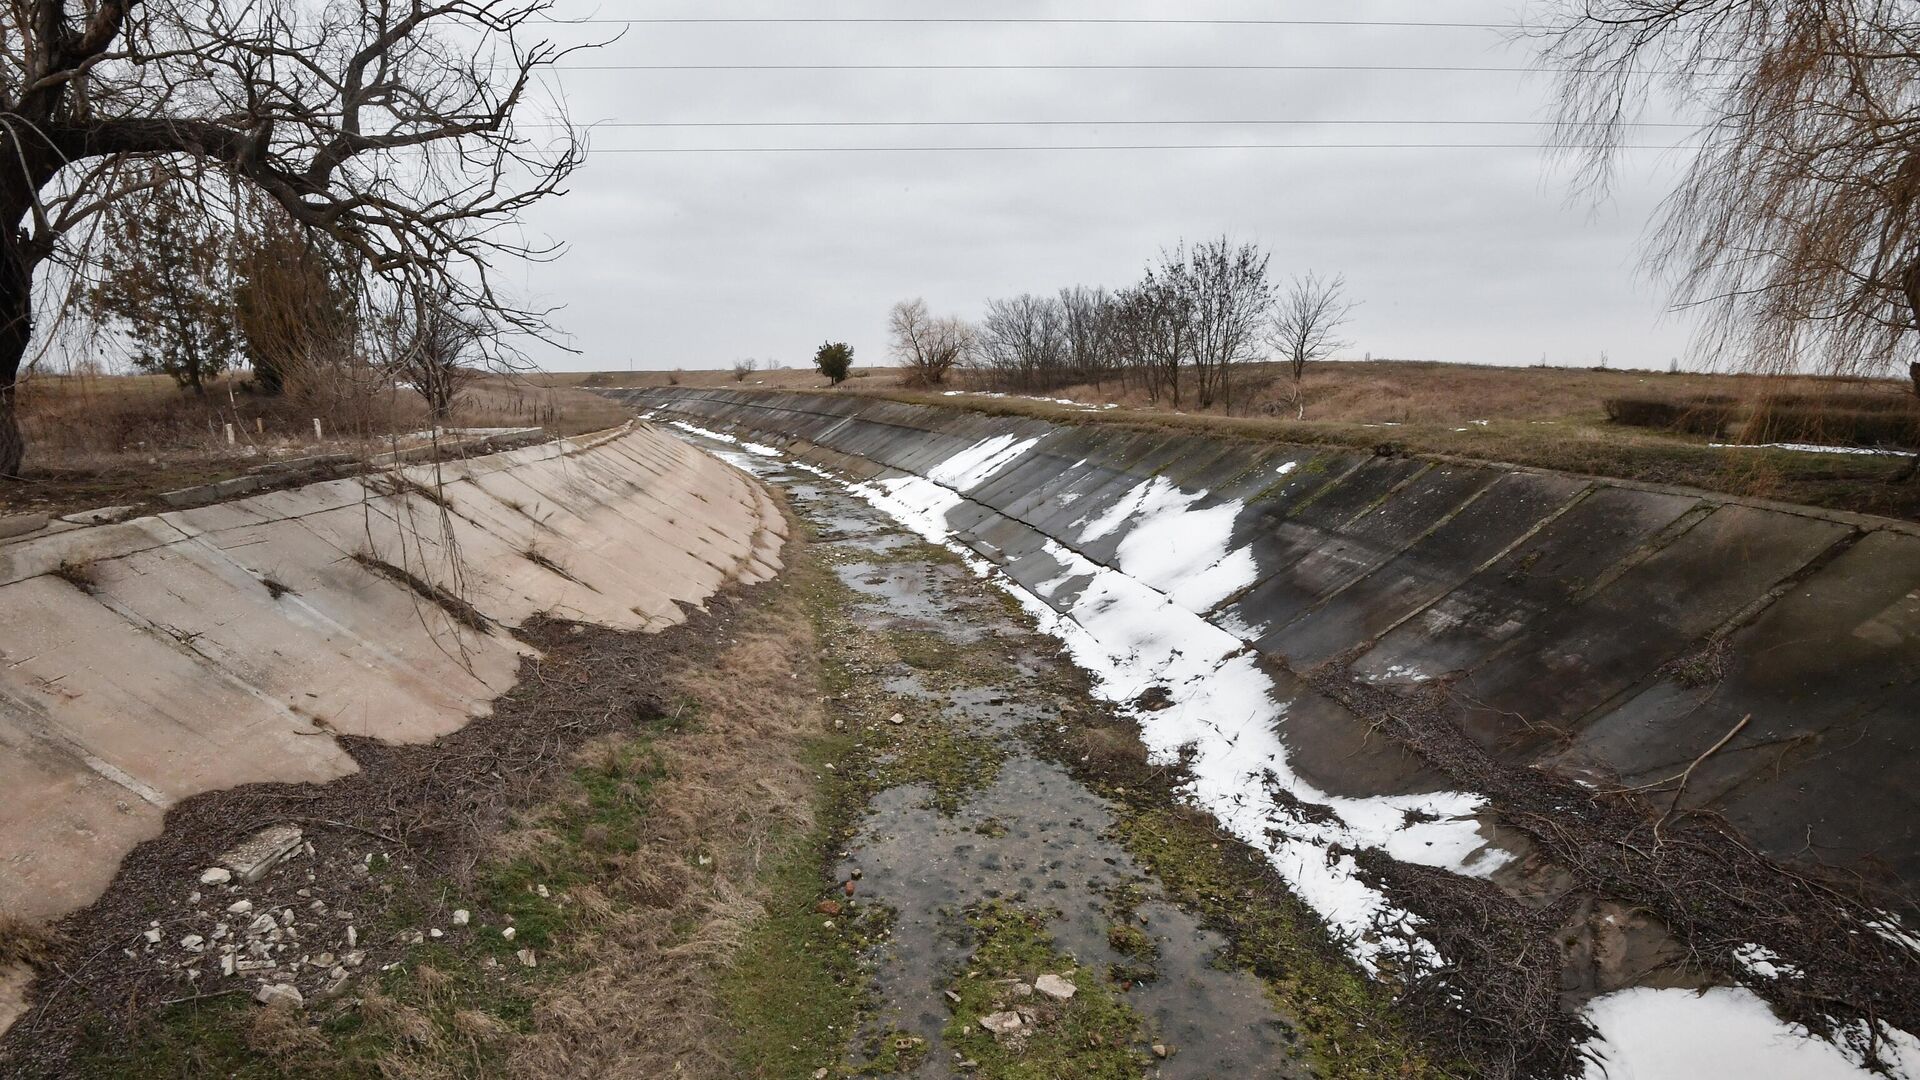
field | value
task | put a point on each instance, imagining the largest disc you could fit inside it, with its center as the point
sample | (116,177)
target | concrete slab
(1578,657)
(1497,604)
(1427,570)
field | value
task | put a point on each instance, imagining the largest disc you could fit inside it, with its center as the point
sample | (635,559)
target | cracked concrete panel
(1433,566)
(1825,681)
(1496,604)
(1329,560)
(1578,657)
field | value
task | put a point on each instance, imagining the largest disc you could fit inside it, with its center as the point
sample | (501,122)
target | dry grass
(97,440)
(22,942)
(673,911)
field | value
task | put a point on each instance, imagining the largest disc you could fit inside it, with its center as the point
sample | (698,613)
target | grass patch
(797,988)
(934,753)
(1093,1034)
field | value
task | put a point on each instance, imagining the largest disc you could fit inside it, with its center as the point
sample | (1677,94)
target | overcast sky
(697,259)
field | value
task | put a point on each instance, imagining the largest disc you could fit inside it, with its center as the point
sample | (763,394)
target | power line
(1067,67)
(1420,24)
(687,124)
(1116,146)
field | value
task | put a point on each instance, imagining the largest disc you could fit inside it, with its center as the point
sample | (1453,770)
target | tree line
(1184,333)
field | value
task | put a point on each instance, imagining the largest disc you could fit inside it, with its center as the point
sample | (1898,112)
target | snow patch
(1650,1034)
(972,467)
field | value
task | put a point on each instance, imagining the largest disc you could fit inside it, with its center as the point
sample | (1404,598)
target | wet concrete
(1033,837)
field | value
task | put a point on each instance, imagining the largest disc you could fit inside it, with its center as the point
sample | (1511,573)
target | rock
(819,1074)
(1003,1023)
(240,907)
(462,917)
(193,943)
(353,937)
(245,966)
(526,957)
(336,982)
(1054,987)
(354,959)
(896,718)
(848,887)
(215,875)
(827,907)
(279,994)
(507,932)
(152,936)
(262,924)
(227,964)
(436,933)
(321,960)
(253,858)
(1160,1050)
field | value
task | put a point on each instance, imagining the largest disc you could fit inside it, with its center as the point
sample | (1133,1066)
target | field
(103,440)
(1543,417)
(100,440)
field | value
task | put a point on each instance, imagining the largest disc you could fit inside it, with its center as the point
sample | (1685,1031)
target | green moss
(934,753)
(1094,1034)
(1346,1021)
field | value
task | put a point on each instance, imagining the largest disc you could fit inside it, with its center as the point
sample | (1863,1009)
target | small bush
(1706,415)
(1853,420)
(834,359)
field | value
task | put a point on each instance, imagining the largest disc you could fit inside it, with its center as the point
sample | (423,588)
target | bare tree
(744,368)
(435,347)
(1231,300)
(926,346)
(1306,326)
(1156,328)
(1796,229)
(1088,319)
(1022,342)
(387,124)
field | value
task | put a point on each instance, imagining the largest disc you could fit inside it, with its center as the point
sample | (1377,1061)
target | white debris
(1054,987)
(462,917)
(215,875)
(252,859)
(1003,1023)
(279,994)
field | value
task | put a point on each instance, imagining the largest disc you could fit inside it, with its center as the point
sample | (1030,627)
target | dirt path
(988,864)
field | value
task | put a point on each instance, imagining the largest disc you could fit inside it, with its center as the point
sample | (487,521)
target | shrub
(835,360)
(1850,420)
(1706,415)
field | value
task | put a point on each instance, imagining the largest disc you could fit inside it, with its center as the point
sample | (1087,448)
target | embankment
(158,658)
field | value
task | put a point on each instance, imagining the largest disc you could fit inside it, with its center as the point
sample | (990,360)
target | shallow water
(1034,836)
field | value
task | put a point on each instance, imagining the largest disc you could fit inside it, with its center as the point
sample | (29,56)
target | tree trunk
(16,331)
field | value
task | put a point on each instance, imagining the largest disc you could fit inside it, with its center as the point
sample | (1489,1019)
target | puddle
(1033,836)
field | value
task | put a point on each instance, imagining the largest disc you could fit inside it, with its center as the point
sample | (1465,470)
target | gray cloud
(693,260)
